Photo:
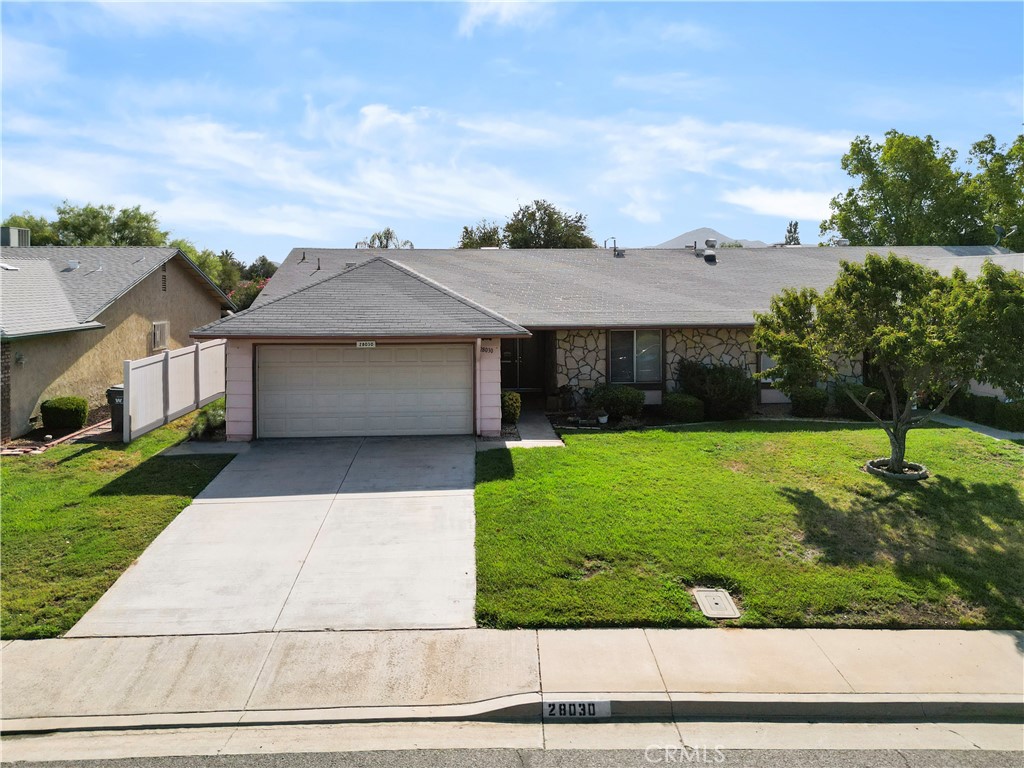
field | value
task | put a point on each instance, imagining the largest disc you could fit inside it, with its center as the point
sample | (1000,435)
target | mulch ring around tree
(911,471)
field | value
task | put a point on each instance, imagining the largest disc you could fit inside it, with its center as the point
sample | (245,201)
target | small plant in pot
(601,416)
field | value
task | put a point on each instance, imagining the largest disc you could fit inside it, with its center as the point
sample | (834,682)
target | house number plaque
(366,344)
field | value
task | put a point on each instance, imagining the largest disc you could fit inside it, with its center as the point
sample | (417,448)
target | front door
(522,364)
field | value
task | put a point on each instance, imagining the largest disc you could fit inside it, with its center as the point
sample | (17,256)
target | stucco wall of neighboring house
(240,388)
(5,391)
(581,358)
(85,363)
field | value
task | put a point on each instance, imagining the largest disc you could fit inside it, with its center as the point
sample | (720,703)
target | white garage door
(341,391)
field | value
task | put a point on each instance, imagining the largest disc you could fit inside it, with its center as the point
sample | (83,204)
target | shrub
(849,410)
(681,407)
(511,407)
(984,409)
(727,392)
(617,401)
(209,419)
(1010,416)
(809,401)
(64,413)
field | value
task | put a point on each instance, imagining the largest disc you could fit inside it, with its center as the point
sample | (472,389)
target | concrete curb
(528,707)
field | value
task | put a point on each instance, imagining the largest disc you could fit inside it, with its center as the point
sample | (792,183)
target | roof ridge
(453,294)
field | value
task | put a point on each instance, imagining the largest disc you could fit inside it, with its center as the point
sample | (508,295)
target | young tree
(542,225)
(387,238)
(793,233)
(922,332)
(483,234)
(909,193)
(42,230)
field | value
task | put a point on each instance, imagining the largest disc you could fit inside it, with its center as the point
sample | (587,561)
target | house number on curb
(577,710)
(366,344)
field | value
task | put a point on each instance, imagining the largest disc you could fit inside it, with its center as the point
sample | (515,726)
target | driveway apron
(352,533)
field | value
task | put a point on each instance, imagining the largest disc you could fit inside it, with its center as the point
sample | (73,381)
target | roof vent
(303,259)
(73,264)
(9,268)
(15,236)
(350,264)
(842,241)
(617,252)
(708,251)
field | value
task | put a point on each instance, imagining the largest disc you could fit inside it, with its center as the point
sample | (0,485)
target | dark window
(635,357)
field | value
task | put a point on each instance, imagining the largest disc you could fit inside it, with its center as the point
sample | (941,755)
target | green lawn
(76,516)
(615,528)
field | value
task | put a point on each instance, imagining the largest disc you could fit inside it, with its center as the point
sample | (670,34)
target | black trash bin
(115,399)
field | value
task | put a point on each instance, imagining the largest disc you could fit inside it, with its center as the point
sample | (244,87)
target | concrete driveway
(355,533)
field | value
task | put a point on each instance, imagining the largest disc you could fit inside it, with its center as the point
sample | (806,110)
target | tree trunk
(898,448)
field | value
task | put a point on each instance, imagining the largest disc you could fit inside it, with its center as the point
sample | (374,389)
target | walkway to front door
(348,533)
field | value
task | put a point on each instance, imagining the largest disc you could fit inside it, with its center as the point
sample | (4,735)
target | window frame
(658,382)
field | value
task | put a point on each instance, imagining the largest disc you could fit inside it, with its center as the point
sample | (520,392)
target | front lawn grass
(76,516)
(615,528)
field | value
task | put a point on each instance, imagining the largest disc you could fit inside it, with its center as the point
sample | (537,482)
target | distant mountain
(706,233)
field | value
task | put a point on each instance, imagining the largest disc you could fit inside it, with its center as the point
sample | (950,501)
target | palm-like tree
(387,238)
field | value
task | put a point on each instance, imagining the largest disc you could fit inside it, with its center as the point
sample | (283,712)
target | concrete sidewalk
(478,674)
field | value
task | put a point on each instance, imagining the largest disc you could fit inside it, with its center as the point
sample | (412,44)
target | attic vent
(350,264)
(9,268)
(73,264)
(163,283)
(708,251)
(161,330)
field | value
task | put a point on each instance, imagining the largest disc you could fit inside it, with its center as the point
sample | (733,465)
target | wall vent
(161,330)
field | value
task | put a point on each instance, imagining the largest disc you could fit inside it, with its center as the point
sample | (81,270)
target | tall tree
(922,332)
(910,192)
(541,225)
(42,230)
(387,238)
(1000,185)
(793,233)
(483,234)
(261,268)
(104,225)
(205,259)
(230,271)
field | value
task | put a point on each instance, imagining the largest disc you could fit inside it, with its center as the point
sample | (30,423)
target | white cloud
(501,13)
(791,203)
(28,64)
(689,35)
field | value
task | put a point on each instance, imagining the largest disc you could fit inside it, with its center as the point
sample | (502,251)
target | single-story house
(71,316)
(368,342)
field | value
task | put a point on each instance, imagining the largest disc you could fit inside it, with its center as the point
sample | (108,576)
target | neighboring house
(347,342)
(70,317)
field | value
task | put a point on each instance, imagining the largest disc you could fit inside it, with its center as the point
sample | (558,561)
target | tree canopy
(911,191)
(483,234)
(922,332)
(534,225)
(92,225)
(793,233)
(387,238)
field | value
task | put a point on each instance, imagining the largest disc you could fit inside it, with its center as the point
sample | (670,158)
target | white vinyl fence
(160,388)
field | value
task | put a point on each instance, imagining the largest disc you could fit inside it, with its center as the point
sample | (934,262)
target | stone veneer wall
(721,346)
(580,359)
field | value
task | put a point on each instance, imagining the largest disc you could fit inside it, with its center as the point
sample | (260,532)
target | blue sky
(259,127)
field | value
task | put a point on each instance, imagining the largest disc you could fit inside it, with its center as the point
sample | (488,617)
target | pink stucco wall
(240,388)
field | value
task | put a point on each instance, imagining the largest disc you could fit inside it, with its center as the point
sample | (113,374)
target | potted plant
(602,417)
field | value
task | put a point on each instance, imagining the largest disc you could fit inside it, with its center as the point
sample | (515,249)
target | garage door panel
(343,391)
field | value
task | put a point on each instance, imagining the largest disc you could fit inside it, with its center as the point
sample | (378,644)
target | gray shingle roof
(377,298)
(589,287)
(45,285)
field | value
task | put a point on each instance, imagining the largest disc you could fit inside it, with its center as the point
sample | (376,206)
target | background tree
(731,244)
(483,234)
(205,259)
(261,268)
(42,230)
(921,331)
(793,233)
(1000,185)
(245,293)
(541,225)
(230,271)
(909,193)
(387,238)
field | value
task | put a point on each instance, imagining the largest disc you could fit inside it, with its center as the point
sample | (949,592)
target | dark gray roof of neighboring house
(46,285)
(655,287)
(377,298)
